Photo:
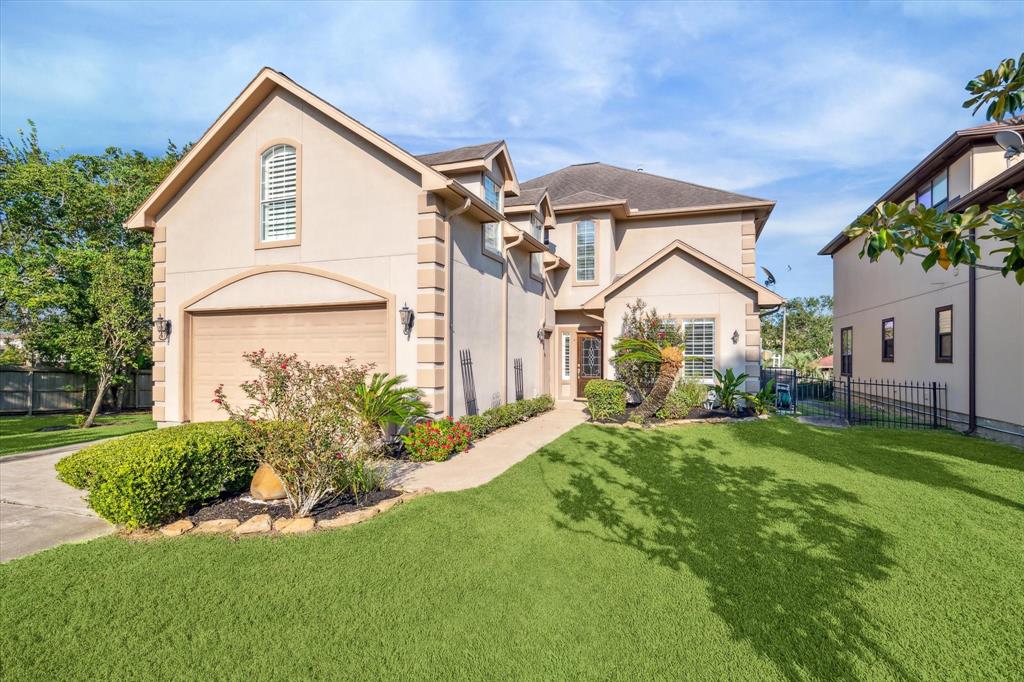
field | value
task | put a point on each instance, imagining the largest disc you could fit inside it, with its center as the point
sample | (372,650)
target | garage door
(324,336)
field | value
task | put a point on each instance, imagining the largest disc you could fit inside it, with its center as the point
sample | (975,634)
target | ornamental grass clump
(436,440)
(300,419)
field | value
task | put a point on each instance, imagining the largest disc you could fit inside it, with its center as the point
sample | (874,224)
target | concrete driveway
(37,511)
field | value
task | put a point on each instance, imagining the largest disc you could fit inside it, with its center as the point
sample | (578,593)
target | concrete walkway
(492,456)
(37,511)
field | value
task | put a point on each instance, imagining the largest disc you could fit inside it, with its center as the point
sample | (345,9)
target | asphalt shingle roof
(528,197)
(643,191)
(470,153)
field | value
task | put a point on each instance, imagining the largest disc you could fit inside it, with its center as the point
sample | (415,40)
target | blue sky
(818,106)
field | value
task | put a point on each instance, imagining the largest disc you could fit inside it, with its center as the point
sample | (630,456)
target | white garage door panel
(325,336)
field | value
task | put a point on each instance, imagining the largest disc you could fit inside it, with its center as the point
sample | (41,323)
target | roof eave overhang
(255,93)
(761,209)
(619,209)
(478,208)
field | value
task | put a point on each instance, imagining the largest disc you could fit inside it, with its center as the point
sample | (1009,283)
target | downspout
(449,327)
(504,311)
(972,348)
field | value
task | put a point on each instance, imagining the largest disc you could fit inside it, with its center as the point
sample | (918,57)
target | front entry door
(588,360)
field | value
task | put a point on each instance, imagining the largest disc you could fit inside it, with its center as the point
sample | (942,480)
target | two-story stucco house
(963,327)
(292,227)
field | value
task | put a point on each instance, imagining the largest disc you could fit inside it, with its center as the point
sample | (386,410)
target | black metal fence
(878,402)
(25,390)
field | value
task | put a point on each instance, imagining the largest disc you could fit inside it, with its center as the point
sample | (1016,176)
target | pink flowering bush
(299,418)
(437,440)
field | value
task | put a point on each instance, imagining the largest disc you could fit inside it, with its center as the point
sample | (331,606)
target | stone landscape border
(261,524)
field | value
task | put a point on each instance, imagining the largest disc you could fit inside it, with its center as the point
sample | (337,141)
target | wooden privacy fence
(34,390)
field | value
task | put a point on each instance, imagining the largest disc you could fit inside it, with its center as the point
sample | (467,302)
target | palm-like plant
(384,402)
(668,360)
(729,387)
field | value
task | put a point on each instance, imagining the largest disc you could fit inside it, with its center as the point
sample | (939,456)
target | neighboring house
(824,365)
(292,227)
(964,326)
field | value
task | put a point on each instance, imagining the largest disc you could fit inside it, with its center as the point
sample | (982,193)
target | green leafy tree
(951,239)
(666,360)
(808,326)
(59,215)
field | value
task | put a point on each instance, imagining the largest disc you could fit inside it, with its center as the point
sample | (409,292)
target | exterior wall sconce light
(735,336)
(162,327)
(540,335)
(407,316)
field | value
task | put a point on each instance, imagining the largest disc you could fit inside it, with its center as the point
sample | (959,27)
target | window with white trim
(492,238)
(537,265)
(492,193)
(278,185)
(586,238)
(566,353)
(537,228)
(699,342)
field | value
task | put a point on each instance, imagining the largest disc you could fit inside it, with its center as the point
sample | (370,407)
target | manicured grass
(22,434)
(760,550)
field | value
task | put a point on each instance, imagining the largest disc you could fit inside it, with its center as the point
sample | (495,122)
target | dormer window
(492,194)
(935,193)
(279,179)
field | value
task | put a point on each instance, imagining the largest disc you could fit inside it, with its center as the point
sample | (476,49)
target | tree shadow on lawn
(889,453)
(783,566)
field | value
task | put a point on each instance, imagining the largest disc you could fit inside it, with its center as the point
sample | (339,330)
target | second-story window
(537,228)
(935,193)
(278,187)
(492,194)
(492,239)
(586,251)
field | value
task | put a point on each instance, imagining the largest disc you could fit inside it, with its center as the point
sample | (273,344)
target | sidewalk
(38,511)
(492,455)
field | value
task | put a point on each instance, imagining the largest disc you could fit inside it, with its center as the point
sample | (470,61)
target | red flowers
(284,365)
(436,440)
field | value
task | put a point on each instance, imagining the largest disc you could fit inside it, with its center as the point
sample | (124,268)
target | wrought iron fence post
(935,405)
(849,401)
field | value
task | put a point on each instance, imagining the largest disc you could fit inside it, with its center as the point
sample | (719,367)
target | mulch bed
(695,413)
(243,507)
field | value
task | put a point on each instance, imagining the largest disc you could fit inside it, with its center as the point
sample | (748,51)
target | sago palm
(668,359)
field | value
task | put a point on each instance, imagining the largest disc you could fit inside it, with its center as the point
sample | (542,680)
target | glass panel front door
(589,360)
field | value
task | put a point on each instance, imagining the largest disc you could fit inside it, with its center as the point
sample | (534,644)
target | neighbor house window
(586,250)
(278,188)
(888,340)
(944,334)
(566,351)
(492,195)
(935,192)
(492,238)
(699,348)
(846,351)
(537,265)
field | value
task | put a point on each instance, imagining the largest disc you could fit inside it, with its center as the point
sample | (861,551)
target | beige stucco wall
(525,317)
(987,161)
(960,176)
(572,294)
(358,219)
(476,312)
(681,286)
(866,293)
(719,236)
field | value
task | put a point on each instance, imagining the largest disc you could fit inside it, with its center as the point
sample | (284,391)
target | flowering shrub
(436,440)
(301,421)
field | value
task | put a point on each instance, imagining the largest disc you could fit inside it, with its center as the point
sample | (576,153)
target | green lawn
(760,550)
(22,434)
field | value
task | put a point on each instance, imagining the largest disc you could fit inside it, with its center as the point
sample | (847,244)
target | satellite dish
(1011,142)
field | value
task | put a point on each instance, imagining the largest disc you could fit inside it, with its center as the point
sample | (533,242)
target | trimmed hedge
(147,479)
(506,415)
(606,399)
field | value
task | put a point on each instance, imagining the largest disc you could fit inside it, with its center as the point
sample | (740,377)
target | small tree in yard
(642,323)
(666,361)
(301,421)
(117,336)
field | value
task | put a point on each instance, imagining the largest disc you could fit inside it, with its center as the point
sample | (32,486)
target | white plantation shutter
(699,340)
(278,179)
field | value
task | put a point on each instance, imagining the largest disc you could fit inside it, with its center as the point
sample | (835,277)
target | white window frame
(709,359)
(491,232)
(491,187)
(283,197)
(578,246)
(537,266)
(566,356)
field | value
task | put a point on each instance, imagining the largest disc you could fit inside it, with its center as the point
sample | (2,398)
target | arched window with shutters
(279,195)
